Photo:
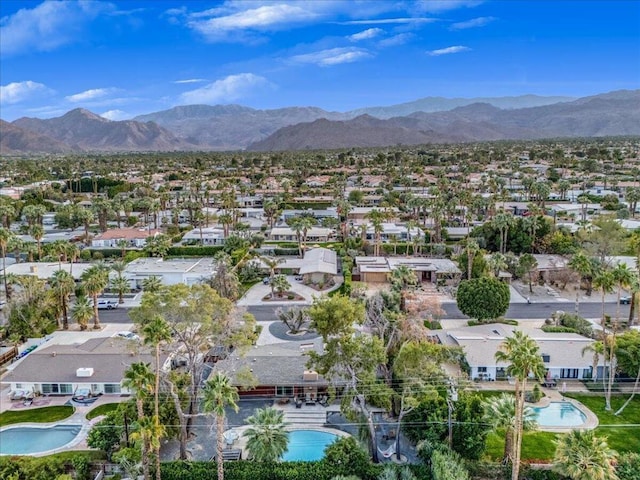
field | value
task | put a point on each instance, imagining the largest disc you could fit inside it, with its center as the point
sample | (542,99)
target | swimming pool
(307,445)
(27,440)
(559,414)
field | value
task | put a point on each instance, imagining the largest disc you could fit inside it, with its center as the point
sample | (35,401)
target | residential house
(132,236)
(431,270)
(314,234)
(563,354)
(45,270)
(170,272)
(205,235)
(98,364)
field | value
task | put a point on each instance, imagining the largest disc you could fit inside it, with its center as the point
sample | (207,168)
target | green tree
(121,285)
(105,435)
(280,284)
(500,412)
(272,263)
(5,237)
(82,312)
(158,245)
(152,284)
(62,286)
(581,455)
(155,333)
(37,232)
(627,352)
(140,378)
(294,318)
(94,281)
(335,315)
(522,354)
(483,298)
(219,394)
(527,264)
(267,437)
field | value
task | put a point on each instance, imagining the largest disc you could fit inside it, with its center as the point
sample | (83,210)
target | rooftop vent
(310,376)
(84,372)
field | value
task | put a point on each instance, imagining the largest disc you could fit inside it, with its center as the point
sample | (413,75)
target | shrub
(555,329)
(446,465)
(629,466)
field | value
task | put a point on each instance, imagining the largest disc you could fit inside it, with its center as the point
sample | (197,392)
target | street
(517,311)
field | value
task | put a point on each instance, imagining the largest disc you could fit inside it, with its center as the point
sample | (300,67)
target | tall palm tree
(5,237)
(152,284)
(140,378)
(155,333)
(82,312)
(597,349)
(218,394)
(581,455)
(377,217)
(120,285)
(272,263)
(37,232)
(500,412)
(267,438)
(522,354)
(62,286)
(94,281)
(503,221)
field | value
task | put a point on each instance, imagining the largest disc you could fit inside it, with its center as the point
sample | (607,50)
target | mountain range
(235,127)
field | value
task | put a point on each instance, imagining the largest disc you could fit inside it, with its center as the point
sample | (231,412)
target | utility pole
(452,397)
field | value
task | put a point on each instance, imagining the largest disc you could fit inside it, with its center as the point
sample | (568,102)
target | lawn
(102,410)
(536,446)
(622,431)
(36,415)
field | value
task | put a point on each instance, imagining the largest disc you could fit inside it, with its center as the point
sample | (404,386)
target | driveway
(255,294)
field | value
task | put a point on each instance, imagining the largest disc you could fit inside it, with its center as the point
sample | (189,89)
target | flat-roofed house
(170,272)
(433,270)
(287,234)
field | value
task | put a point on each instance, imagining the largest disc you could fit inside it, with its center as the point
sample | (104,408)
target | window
(66,388)
(482,369)
(18,385)
(111,388)
(57,388)
(284,391)
(546,358)
(569,373)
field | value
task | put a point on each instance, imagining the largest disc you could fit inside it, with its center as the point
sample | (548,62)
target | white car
(104,304)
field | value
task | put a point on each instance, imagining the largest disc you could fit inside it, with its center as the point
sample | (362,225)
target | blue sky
(123,58)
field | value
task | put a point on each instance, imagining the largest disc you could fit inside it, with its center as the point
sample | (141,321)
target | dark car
(625,300)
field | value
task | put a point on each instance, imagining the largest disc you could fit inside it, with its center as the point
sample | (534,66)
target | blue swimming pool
(26,440)
(307,445)
(560,414)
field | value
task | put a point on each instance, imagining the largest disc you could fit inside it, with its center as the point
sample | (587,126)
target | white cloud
(445,5)
(17,92)
(225,90)
(396,40)
(191,80)
(47,26)
(385,21)
(448,50)
(115,115)
(89,95)
(333,56)
(366,34)
(263,18)
(474,22)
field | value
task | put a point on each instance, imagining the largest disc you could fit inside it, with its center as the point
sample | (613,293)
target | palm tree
(150,431)
(218,394)
(37,232)
(522,354)
(581,455)
(500,412)
(377,217)
(152,284)
(155,333)
(597,349)
(62,285)
(267,438)
(502,221)
(94,280)
(583,266)
(82,312)
(120,285)
(5,237)
(280,284)
(272,263)
(140,378)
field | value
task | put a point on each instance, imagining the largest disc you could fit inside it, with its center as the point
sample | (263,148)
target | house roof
(480,344)
(125,234)
(319,260)
(157,266)
(109,357)
(45,270)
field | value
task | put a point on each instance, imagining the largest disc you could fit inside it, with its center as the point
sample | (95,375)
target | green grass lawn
(535,446)
(621,437)
(102,410)
(36,415)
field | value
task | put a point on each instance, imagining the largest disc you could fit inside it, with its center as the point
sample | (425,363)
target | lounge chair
(298,402)
(389,452)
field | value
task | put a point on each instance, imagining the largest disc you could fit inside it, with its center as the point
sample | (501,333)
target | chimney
(33,269)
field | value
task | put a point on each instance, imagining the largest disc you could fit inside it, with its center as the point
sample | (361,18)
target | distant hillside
(439,104)
(231,127)
(89,131)
(616,113)
(16,140)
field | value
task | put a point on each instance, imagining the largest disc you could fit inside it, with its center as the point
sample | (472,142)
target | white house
(170,272)
(287,234)
(133,236)
(98,364)
(208,236)
(45,270)
(562,353)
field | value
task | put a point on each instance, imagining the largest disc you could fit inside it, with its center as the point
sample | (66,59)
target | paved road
(520,311)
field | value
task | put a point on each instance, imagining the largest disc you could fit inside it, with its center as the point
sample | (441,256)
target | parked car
(299,278)
(266,280)
(104,304)
(625,300)
(128,335)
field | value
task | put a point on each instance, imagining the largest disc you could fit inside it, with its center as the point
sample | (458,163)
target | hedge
(556,329)
(197,251)
(245,470)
